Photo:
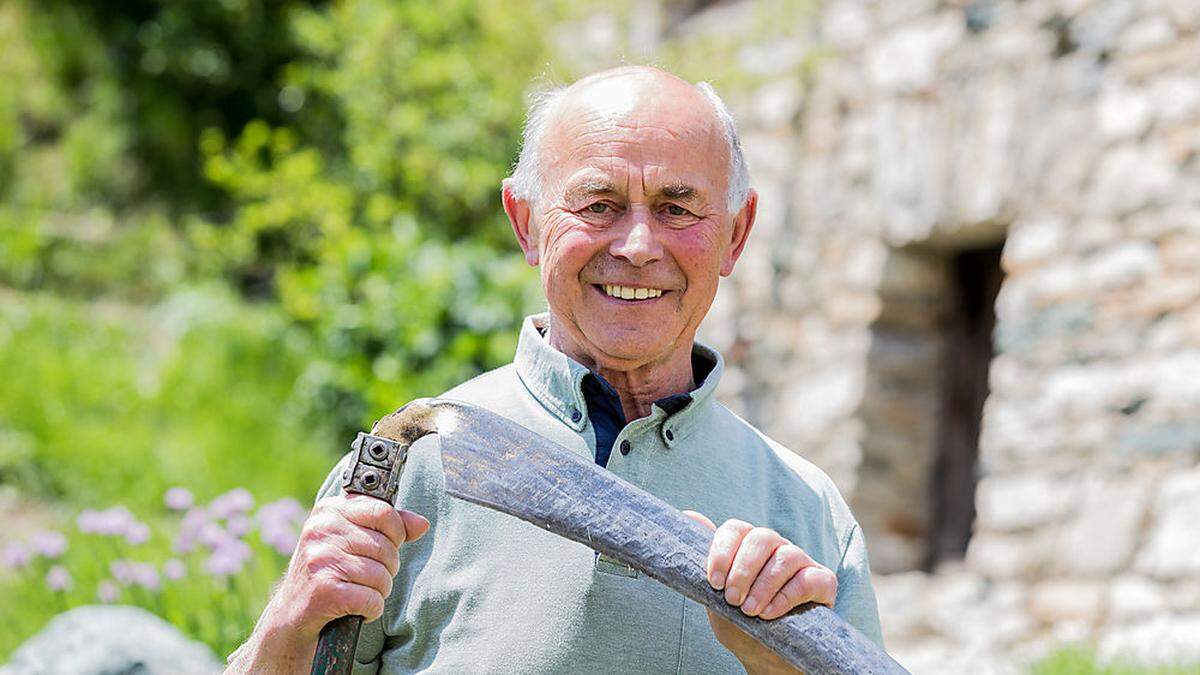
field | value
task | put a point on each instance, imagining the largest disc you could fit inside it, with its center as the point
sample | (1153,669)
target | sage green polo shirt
(484,592)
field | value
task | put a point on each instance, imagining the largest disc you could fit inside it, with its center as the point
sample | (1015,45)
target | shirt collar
(556,381)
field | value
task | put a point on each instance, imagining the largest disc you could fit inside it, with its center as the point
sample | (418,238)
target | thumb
(700,518)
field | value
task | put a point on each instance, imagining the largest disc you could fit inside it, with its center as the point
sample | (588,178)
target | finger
(700,518)
(725,543)
(756,548)
(415,525)
(363,571)
(346,599)
(374,545)
(814,583)
(374,514)
(782,564)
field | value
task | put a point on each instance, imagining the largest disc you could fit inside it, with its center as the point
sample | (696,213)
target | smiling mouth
(629,292)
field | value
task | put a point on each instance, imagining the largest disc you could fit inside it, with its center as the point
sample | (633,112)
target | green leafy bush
(109,402)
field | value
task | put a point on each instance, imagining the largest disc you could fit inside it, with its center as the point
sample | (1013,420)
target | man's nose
(637,243)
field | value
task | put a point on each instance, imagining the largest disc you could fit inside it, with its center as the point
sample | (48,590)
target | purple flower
(279,524)
(107,592)
(238,525)
(16,556)
(137,533)
(146,576)
(282,541)
(49,544)
(237,500)
(131,573)
(122,571)
(213,535)
(59,579)
(228,559)
(114,522)
(193,524)
(174,569)
(90,521)
(178,499)
(286,510)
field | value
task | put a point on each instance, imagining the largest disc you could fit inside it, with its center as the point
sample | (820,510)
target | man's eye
(598,207)
(676,210)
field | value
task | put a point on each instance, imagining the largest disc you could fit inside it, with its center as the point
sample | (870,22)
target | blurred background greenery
(233,233)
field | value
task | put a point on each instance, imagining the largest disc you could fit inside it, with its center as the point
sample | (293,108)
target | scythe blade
(495,462)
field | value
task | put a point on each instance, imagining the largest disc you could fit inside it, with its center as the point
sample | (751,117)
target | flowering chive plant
(207,568)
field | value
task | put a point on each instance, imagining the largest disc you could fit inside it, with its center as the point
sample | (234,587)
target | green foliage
(1081,661)
(341,161)
(382,234)
(112,403)
(234,233)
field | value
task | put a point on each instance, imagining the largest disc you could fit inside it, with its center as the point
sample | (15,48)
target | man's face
(633,229)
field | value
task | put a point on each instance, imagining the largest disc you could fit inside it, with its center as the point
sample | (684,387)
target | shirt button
(625,447)
(670,435)
(576,415)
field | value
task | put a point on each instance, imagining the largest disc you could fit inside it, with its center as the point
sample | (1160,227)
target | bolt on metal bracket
(375,467)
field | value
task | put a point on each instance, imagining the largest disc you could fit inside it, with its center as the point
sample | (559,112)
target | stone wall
(885,137)
(1069,130)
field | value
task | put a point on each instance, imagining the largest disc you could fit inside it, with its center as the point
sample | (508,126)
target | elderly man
(631,196)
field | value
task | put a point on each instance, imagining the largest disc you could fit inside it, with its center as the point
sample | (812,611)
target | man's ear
(743,222)
(521,218)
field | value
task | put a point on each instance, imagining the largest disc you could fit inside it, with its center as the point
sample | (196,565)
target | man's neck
(638,386)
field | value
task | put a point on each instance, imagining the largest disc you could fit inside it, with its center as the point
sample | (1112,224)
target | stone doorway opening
(926,383)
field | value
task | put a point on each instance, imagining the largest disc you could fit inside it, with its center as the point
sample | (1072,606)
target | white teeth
(630,293)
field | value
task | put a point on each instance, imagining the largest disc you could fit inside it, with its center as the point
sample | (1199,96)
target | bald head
(627,95)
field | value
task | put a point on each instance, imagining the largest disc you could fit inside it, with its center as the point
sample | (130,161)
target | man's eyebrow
(591,188)
(680,191)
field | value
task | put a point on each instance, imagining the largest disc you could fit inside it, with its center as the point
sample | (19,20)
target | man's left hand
(765,575)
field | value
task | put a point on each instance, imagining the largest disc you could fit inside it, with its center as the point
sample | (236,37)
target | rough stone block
(1016,502)
(1100,537)
(1034,239)
(1147,33)
(1162,640)
(110,639)
(907,59)
(1006,556)
(1133,177)
(1123,112)
(1172,549)
(1132,597)
(1121,265)
(1066,600)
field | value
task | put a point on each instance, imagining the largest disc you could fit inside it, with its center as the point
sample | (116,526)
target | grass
(1076,660)
(113,404)
(107,403)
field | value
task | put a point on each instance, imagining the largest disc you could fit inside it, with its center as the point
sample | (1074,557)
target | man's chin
(627,352)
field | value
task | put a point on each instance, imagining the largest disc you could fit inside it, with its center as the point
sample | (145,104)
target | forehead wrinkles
(611,142)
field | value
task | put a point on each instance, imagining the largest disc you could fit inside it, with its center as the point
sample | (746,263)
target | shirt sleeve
(855,596)
(332,486)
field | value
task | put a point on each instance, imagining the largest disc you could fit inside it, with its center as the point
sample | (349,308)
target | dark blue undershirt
(607,417)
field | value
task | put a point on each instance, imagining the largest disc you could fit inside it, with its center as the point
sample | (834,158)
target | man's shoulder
(495,385)
(767,444)
(768,452)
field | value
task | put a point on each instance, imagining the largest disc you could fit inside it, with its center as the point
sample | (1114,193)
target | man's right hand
(347,555)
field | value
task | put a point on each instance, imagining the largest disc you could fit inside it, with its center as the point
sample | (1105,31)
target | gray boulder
(110,640)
